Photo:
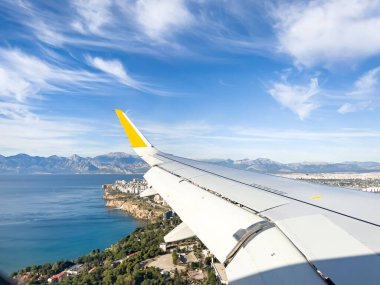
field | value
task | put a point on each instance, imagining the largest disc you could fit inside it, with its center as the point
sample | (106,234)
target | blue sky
(287,80)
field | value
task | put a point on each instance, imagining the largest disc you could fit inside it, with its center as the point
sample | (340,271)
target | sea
(45,218)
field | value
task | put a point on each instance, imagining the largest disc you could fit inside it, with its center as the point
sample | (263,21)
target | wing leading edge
(266,229)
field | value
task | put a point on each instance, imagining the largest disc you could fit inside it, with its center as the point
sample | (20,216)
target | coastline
(138,256)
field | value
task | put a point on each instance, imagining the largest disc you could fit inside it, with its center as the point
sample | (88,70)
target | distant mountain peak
(21,155)
(117,154)
(266,160)
(75,157)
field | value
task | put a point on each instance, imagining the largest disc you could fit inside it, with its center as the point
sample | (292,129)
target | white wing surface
(267,229)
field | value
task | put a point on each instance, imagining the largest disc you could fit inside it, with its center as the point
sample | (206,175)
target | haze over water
(44,218)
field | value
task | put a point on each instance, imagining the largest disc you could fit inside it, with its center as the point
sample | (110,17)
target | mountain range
(119,162)
(116,162)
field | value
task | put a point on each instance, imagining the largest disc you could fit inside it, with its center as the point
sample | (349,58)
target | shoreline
(144,249)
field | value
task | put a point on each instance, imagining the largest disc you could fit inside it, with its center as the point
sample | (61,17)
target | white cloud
(158,19)
(367,83)
(329,31)
(37,71)
(46,33)
(13,86)
(354,107)
(297,98)
(114,68)
(94,14)
(15,110)
(364,94)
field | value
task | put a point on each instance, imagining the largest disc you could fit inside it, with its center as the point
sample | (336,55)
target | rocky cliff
(139,208)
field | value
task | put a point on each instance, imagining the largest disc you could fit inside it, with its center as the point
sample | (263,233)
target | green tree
(175,258)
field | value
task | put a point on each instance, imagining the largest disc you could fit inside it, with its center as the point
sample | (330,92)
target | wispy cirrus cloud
(160,19)
(297,98)
(24,77)
(364,94)
(158,28)
(328,32)
(13,86)
(116,69)
(93,15)
(16,111)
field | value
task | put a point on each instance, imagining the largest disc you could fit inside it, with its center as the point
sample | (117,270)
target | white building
(75,269)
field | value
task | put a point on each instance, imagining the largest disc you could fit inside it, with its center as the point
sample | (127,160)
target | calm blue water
(44,218)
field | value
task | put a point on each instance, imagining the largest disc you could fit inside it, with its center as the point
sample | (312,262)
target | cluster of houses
(372,189)
(158,200)
(73,270)
(77,268)
(185,256)
(135,186)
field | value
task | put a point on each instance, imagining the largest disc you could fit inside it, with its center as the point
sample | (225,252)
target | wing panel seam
(275,192)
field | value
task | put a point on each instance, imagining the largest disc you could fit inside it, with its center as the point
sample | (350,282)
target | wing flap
(271,259)
(332,250)
(180,232)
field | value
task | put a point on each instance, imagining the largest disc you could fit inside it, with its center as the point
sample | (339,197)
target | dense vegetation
(116,265)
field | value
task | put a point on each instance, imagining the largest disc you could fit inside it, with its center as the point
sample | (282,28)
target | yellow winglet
(135,137)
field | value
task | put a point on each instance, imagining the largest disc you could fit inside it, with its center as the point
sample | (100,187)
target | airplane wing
(267,229)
